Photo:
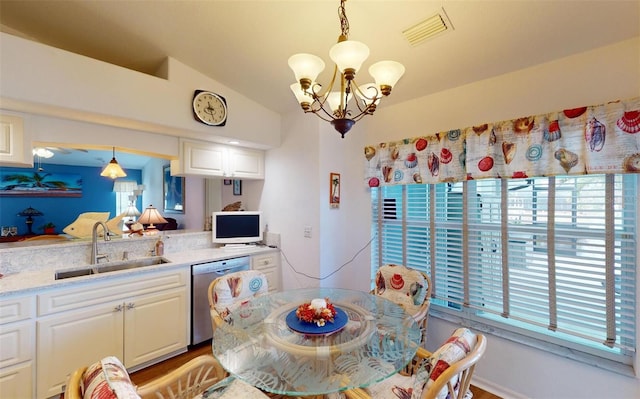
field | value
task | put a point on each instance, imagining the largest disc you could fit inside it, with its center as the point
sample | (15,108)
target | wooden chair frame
(187,381)
(422,316)
(463,368)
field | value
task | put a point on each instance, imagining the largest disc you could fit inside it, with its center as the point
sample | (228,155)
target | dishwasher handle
(222,267)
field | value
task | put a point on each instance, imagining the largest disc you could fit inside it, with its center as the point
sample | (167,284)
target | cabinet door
(14,148)
(246,163)
(155,325)
(73,339)
(17,382)
(203,159)
(269,264)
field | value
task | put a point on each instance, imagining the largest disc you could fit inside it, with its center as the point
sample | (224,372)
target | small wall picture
(334,190)
(237,187)
(227,182)
(173,191)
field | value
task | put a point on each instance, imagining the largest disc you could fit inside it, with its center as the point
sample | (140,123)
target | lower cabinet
(17,343)
(136,328)
(17,381)
(269,264)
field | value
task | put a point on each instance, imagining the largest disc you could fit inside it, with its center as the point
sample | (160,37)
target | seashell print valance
(587,140)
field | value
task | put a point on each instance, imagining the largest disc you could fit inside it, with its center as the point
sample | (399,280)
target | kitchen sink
(110,267)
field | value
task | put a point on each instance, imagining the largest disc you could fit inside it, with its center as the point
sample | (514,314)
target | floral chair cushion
(231,291)
(457,346)
(108,379)
(402,285)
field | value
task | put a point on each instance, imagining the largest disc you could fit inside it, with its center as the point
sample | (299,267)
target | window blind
(549,255)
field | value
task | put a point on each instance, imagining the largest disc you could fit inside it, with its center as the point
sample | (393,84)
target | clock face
(209,108)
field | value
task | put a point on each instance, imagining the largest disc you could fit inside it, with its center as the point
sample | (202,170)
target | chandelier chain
(344,22)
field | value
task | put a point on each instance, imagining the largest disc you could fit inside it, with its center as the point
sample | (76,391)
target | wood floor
(142,376)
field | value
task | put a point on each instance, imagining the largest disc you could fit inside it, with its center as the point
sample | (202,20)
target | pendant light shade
(113,170)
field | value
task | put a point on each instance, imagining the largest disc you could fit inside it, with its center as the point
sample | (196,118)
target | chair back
(407,287)
(454,382)
(187,381)
(227,293)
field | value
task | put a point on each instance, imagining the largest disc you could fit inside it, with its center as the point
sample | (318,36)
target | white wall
(291,198)
(44,80)
(594,77)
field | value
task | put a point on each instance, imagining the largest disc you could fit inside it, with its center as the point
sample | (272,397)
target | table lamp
(131,212)
(151,216)
(30,213)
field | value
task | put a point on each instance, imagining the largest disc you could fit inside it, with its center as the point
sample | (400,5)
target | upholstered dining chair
(229,292)
(407,287)
(445,373)
(108,379)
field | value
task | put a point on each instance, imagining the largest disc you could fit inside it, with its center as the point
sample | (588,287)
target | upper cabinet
(211,159)
(15,148)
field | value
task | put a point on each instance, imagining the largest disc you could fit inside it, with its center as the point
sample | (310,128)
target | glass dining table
(267,346)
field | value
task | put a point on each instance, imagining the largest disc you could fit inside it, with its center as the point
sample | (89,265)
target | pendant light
(113,170)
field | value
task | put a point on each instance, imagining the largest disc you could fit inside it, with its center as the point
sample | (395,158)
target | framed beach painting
(39,184)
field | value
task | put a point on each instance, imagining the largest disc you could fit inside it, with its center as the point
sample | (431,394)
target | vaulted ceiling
(245,44)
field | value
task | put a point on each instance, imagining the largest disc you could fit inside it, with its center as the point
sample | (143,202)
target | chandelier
(332,105)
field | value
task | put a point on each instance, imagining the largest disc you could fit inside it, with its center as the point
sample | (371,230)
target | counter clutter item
(159,247)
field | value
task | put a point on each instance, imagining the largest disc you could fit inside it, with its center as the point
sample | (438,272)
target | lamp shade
(349,54)
(334,100)
(300,94)
(132,211)
(151,216)
(306,66)
(386,73)
(113,170)
(30,212)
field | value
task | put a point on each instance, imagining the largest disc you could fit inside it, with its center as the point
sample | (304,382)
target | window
(552,258)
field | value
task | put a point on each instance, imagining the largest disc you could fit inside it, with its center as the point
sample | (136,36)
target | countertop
(32,281)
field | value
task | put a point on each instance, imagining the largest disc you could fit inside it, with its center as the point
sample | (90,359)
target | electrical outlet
(307,231)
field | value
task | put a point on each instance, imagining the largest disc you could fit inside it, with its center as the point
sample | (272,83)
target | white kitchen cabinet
(269,264)
(245,163)
(138,319)
(211,159)
(15,148)
(17,343)
(155,325)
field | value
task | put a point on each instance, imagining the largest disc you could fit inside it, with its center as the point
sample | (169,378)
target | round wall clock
(209,108)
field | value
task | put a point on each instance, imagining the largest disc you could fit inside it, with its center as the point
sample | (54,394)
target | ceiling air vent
(428,28)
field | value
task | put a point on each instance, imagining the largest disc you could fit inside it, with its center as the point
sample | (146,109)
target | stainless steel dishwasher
(202,275)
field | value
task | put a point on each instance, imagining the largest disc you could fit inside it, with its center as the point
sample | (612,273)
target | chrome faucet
(95,257)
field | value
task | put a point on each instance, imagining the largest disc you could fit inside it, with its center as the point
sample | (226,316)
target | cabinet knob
(118,308)
(131,305)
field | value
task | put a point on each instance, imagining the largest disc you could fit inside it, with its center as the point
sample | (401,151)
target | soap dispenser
(159,247)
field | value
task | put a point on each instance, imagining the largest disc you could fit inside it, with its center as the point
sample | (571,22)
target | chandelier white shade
(306,67)
(348,56)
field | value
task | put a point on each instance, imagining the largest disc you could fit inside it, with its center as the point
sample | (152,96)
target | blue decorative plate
(297,325)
